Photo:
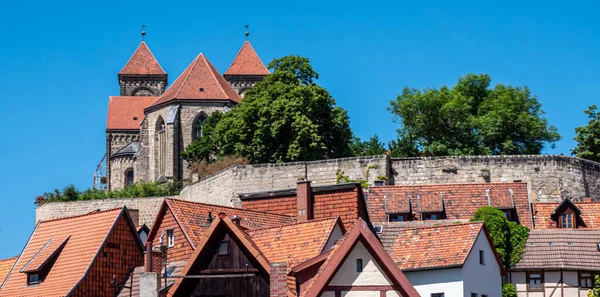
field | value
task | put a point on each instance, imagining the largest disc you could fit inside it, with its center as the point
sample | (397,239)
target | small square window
(481,257)
(170,238)
(359,265)
(33,279)
(437,294)
(223,248)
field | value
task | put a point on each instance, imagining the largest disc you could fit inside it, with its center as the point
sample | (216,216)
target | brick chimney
(304,200)
(278,280)
(135,216)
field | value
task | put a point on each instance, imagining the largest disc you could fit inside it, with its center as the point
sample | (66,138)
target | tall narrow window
(481,257)
(566,220)
(197,127)
(359,265)
(161,146)
(170,238)
(129,178)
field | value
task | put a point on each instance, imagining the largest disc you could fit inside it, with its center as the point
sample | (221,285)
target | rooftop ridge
(444,226)
(82,215)
(138,49)
(446,184)
(193,65)
(258,67)
(293,224)
(229,207)
(213,72)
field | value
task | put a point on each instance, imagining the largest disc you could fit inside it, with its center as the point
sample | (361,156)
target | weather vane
(247,33)
(143,31)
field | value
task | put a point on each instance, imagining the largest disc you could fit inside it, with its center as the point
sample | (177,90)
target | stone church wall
(118,168)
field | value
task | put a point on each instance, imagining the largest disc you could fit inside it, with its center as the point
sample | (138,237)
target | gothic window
(128,177)
(161,146)
(197,127)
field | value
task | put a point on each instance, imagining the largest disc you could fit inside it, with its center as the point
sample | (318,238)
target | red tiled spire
(142,62)
(199,81)
(247,62)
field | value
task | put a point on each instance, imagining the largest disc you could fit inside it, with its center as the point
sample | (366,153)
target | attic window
(170,238)
(33,279)
(570,243)
(551,243)
(359,265)
(135,118)
(201,89)
(223,248)
(378,229)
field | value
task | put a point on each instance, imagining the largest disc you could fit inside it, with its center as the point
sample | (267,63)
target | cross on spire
(247,33)
(143,31)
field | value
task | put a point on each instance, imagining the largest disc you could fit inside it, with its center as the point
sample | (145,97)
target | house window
(396,217)
(437,294)
(161,146)
(534,281)
(197,128)
(223,248)
(585,279)
(481,257)
(359,265)
(474,295)
(33,279)
(566,220)
(508,214)
(432,216)
(129,178)
(170,238)
(484,295)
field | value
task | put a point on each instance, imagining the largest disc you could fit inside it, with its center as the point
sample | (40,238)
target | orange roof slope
(5,267)
(295,243)
(192,216)
(247,62)
(199,81)
(126,112)
(590,214)
(412,249)
(142,62)
(87,234)
(48,251)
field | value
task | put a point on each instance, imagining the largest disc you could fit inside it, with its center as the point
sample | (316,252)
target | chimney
(148,258)
(135,216)
(304,201)
(278,280)
(553,225)
(587,199)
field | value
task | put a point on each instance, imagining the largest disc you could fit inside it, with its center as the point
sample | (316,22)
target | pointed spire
(199,81)
(142,62)
(247,62)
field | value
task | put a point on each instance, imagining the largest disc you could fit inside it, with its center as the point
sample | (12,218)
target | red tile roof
(192,217)
(590,214)
(142,62)
(46,254)
(413,247)
(5,267)
(199,81)
(87,235)
(460,201)
(126,112)
(294,243)
(247,62)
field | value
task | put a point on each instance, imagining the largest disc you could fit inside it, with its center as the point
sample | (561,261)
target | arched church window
(161,146)
(197,127)
(128,177)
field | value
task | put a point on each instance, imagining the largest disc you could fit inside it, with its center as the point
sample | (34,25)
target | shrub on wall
(509,290)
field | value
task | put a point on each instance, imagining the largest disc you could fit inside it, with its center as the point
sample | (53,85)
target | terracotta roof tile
(590,214)
(46,253)
(294,243)
(87,234)
(142,62)
(5,266)
(460,201)
(199,81)
(132,283)
(193,217)
(247,62)
(561,249)
(431,247)
(126,112)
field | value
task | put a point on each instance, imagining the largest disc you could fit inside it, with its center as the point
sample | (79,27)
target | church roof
(199,81)
(129,150)
(126,112)
(142,62)
(247,62)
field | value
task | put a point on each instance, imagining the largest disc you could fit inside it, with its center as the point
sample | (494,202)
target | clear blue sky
(59,62)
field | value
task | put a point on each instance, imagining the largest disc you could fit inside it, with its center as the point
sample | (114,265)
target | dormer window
(398,217)
(33,279)
(432,216)
(566,221)
(566,215)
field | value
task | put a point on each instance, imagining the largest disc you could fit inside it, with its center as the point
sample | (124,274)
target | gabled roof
(589,213)
(237,233)
(86,236)
(126,112)
(199,81)
(128,150)
(192,217)
(458,201)
(566,203)
(359,232)
(142,62)
(5,266)
(247,62)
(561,249)
(295,243)
(433,247)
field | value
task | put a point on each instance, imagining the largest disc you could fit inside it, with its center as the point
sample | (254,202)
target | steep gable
(142,62)
(247,62)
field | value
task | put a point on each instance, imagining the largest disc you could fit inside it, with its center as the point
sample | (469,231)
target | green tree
(470,118)
(588,137)
(286,117)
(595,291)
(509,290)
(203,148)
(509,238)
(367,148)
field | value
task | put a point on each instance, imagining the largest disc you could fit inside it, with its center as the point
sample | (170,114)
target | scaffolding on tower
(100,175)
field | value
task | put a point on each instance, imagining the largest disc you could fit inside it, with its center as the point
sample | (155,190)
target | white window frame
(170,238)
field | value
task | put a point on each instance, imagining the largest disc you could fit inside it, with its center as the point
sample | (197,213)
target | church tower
(246,69)
(142,75)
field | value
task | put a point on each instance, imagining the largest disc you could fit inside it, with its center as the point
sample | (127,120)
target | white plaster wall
(448,281)
(370,276)
(571,278)
(482,279)
(361,294)
(551,278)
(520,281)
(336,234)
(392,294)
